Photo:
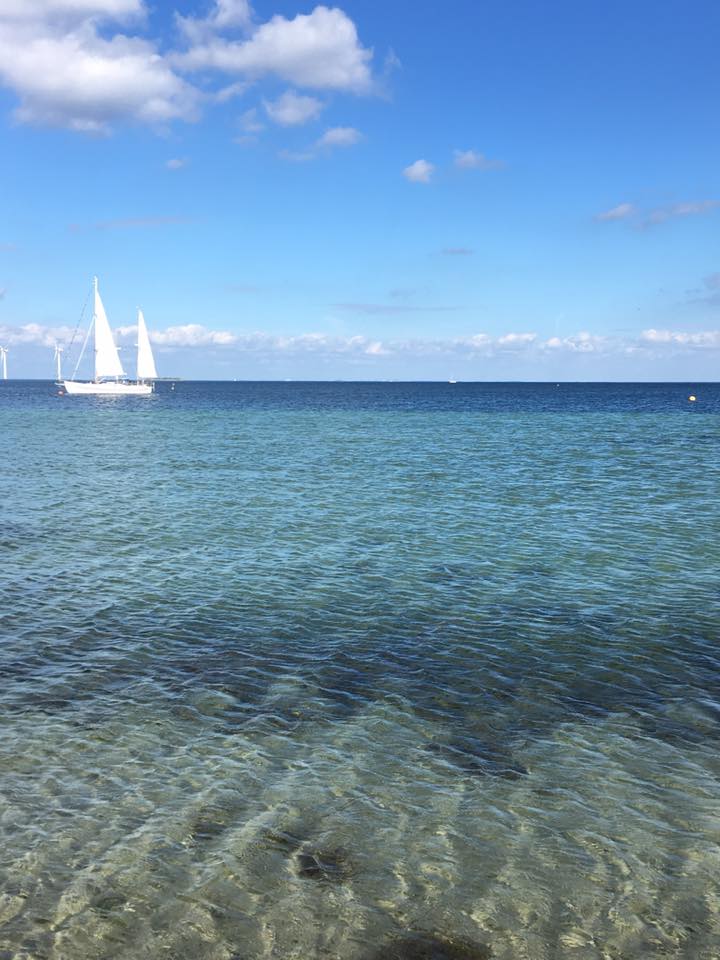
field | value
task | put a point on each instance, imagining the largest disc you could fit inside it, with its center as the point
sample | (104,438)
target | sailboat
(110,378)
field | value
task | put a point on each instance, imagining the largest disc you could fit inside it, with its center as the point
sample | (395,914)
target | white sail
(107,361)
(145,360)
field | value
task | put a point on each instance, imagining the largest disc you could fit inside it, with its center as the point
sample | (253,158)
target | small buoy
(692,398)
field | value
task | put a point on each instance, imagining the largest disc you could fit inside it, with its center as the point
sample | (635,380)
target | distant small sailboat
(3,357)
(110,378)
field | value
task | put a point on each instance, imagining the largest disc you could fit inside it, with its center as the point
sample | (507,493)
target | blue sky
(475,190)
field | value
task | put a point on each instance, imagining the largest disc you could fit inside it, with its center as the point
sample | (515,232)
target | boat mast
(58,357)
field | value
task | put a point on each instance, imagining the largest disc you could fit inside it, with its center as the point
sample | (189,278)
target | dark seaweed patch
(330,866)
(282,840)
(209,824)
(424,946)
(479,757)
(108,904)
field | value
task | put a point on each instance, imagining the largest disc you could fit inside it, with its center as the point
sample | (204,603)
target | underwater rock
(331,866)
(425,946)
(281,840)
(108,904)
(208,824)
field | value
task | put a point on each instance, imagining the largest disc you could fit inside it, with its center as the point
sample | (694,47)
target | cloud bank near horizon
(648,343)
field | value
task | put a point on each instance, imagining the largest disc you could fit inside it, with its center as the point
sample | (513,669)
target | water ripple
(361,671)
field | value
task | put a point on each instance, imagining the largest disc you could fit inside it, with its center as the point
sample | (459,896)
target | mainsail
(145,360)
(107,361)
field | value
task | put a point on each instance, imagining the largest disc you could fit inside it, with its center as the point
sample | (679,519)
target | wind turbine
(58,357)
(3,356)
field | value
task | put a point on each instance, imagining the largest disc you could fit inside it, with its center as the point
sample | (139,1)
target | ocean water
(360,671)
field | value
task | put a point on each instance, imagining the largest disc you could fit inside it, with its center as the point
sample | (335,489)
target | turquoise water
(360,671)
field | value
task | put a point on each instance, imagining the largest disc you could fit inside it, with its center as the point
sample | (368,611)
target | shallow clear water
(303,670)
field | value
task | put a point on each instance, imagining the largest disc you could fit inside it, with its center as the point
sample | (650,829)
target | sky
(473,190)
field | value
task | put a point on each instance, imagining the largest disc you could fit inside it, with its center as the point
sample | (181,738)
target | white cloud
(515,340)
(682,338)
(621,212)
(192,335)
(70,9)
(339,137)
(651,343)
(177,163)
(232,13)
(188,335)
(470,160)
(419,172)
(292,109)
(320,50)
(583,342)
(34,334)
(75,64)
(225,15)
(66,73)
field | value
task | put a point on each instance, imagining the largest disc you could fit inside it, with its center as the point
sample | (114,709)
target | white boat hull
(108,388)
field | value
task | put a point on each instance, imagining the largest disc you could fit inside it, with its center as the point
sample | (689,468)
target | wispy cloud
(3,291)
(330,140)
(658,215)
(376,308)
(420,171)
(708,295)
(621,212)
(457,251)
(292,109)
(297,156)
(339,137)
(250,122)
(692,209)
(129,223)
(230,92)
(176,163)
(472,160)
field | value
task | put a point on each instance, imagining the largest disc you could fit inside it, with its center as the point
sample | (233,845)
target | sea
(360,671)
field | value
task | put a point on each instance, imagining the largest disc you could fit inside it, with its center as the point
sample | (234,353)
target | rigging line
(82,352)
(77,327)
